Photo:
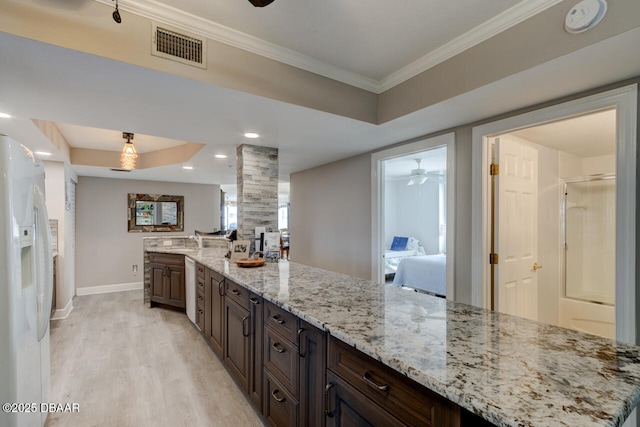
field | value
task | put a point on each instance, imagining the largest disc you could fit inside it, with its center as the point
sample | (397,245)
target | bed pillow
(399,243)
(413,244)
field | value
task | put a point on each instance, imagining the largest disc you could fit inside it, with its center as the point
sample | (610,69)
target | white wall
(105,250)
(412,211)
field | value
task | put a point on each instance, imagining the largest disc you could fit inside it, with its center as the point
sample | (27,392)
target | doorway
(622,104)
(412,194)
(547,176)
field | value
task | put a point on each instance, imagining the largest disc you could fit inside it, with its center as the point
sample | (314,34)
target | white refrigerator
(26,280)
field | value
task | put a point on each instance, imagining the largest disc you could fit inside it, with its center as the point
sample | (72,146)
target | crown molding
(179,19)
(499,23)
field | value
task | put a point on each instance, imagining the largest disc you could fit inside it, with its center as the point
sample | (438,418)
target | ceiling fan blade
(260,3)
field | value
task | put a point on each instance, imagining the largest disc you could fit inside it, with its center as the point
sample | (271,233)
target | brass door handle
(536,266)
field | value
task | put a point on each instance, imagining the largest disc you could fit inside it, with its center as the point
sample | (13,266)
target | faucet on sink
(198,239)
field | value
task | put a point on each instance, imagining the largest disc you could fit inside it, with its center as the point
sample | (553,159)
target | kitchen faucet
(198,239)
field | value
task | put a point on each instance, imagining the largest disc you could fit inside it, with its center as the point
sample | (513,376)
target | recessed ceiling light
(187,167)
(220,156)
(43,153)
(251,135)
(4,115)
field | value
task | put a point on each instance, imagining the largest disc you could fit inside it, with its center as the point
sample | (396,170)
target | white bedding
(392,259)
(424,272)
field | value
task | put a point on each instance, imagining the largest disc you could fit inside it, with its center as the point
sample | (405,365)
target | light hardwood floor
(129,365)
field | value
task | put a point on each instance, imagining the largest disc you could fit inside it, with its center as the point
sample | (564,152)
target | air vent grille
(179,47)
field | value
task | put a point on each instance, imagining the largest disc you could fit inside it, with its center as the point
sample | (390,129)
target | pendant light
(129,154)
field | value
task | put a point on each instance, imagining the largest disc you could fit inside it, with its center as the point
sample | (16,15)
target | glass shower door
(589,238)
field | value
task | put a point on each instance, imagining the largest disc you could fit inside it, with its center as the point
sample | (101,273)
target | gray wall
(330,219)
(105,250)
(340,231)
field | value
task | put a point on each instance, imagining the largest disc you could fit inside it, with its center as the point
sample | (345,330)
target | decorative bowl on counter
(250,262)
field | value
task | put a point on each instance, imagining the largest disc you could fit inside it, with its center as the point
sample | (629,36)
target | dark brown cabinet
(297,375)
(312,350)
(214,310)
(346,406)
(236,342)
(294,370)
(255,363)
(363,391)
(167,280)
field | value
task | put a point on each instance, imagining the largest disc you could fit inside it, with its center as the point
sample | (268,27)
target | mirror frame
(131,213)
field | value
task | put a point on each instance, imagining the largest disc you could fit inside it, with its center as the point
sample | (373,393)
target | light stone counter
(508,370)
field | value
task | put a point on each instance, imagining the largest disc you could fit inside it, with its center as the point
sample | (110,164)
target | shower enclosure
(589,210)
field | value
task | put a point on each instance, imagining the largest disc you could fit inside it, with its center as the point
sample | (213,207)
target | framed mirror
(155,212)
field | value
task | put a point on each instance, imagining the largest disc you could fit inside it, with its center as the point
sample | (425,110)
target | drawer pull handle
(244,321)
(274,393)
(276,347)
(254,301)
(327,400)
(367,378)
(300,352)
(221,288)
(276,318)
(235,292)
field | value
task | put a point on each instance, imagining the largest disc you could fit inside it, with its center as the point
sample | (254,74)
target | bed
(401,247)
(427,273)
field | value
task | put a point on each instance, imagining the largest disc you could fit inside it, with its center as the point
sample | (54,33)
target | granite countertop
(508,370)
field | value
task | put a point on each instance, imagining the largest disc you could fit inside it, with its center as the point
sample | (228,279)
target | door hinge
(494,169)
(493,259)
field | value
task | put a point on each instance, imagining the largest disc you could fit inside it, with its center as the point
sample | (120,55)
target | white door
(516,283)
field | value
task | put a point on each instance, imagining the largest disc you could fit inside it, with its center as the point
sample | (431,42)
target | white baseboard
(105,289)
(63,313)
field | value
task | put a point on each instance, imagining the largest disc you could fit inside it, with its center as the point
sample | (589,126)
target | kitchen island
(507,370)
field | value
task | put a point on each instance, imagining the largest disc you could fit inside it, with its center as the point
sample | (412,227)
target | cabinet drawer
(346,406)
(200,271)
(238,293)
(200,281)
(283,322)
(280,407)
(169,259)
(200,318)
(281,359)
(200,301)
(403,398)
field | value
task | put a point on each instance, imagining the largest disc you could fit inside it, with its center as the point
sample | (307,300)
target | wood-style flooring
(129,365)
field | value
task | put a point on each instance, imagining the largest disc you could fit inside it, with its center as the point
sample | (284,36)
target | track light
(116,14)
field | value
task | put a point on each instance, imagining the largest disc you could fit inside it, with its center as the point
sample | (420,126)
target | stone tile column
(257,180)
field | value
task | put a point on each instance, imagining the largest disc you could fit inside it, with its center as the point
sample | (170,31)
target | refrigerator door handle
(44,261)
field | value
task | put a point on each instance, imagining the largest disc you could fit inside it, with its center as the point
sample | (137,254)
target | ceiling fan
(260,3)
(419,176)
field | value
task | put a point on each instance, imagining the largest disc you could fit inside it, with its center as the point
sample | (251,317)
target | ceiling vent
(187,49)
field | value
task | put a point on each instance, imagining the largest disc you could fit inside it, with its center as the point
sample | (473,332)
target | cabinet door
(157,283)
(214,305)
(255,363)
(312,351)
(237,344)
(280,406)
(347,407)
(175,287)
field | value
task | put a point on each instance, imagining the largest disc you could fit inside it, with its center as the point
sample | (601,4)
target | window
(283,216)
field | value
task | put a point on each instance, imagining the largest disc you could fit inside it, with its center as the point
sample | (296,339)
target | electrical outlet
(134,268)
(166,242)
